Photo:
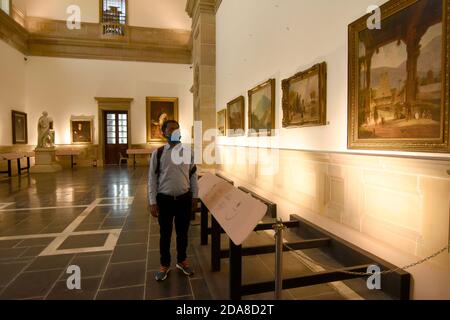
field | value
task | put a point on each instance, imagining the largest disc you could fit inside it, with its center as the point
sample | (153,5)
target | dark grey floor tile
(133,225)
(112,223)
(124,275)
(200,289)
(9,270)
(35,242)
(255,271)
(292,267)
(84,241)
(90,266)
(285,295)
(31,284)
(176,285)
(33,251)
(130,293)
(326,296)
(153,260)
(132,252)
(305,292)
(88,290)
(182,298)
(8,244)
(133,237)
(88,227)
(50,262)
(8,254)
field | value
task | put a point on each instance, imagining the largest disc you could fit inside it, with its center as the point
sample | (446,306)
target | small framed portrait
(236,117)
(19,127)
(222,122)
(81,129)
(159,110)
(261,109)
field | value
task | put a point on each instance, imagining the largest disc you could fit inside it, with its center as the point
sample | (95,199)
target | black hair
(166,123)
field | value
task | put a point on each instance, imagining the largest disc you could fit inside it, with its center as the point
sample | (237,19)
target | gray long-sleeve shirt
(173,178)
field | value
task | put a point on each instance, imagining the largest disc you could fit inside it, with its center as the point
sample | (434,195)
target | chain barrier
(333,269)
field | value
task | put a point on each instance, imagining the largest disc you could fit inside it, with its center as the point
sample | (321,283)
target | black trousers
(180,210)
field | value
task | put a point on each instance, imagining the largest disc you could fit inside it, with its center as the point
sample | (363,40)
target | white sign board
(237,212)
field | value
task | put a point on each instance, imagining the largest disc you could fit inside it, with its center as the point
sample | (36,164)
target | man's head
(171,131)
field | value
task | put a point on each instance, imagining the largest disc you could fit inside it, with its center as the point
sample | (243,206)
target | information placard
(237,212)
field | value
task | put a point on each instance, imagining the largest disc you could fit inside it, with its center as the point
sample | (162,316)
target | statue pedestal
(45,161)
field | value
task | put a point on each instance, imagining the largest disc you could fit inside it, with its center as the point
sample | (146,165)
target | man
(173,193)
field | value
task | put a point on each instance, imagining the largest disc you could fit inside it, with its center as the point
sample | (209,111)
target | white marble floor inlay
(52,248)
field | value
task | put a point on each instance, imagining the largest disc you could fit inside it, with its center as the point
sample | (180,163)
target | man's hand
(195,203)
(154,210)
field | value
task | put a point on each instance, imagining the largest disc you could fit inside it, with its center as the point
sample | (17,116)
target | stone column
(203,14)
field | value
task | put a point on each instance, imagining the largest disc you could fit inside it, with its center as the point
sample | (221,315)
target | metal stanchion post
(278,227)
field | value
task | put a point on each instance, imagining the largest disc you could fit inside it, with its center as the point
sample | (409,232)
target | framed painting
(261,109)
(305,98)
(159,110)
(399,78)
(19,127)
(236,117)
(82,129)
(222,122)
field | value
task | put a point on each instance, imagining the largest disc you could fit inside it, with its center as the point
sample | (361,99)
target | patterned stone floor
(97,219)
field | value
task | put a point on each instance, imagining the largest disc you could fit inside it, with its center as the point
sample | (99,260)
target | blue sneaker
(184,266)
(162,274)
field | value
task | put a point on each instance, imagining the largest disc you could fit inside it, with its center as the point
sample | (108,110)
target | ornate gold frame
(319,69)
(240,100)
(220,113)
(84,119)
(270,83)
(149,100)
(420,145)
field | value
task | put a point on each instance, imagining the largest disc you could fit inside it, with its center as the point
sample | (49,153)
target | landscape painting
(235,117)
(304,98)
(261,109)
(399,79)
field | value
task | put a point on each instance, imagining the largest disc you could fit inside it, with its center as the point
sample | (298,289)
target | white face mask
(175,136)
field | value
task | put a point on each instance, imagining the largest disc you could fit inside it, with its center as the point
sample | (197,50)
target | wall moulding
(13,33)
(44,37)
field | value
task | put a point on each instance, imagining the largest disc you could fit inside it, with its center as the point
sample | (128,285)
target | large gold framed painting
(399,78)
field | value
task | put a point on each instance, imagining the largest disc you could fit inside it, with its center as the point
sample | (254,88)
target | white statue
(46,137)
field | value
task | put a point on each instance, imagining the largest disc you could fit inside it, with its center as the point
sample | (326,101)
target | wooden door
(116,135)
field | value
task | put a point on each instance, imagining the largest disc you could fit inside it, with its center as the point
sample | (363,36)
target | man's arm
(152,180)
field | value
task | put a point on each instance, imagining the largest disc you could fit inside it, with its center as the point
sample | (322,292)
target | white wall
(262,39)
(56,9)
(12,88)
(168,14)
(66,87)
(21,5)
(142,13)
